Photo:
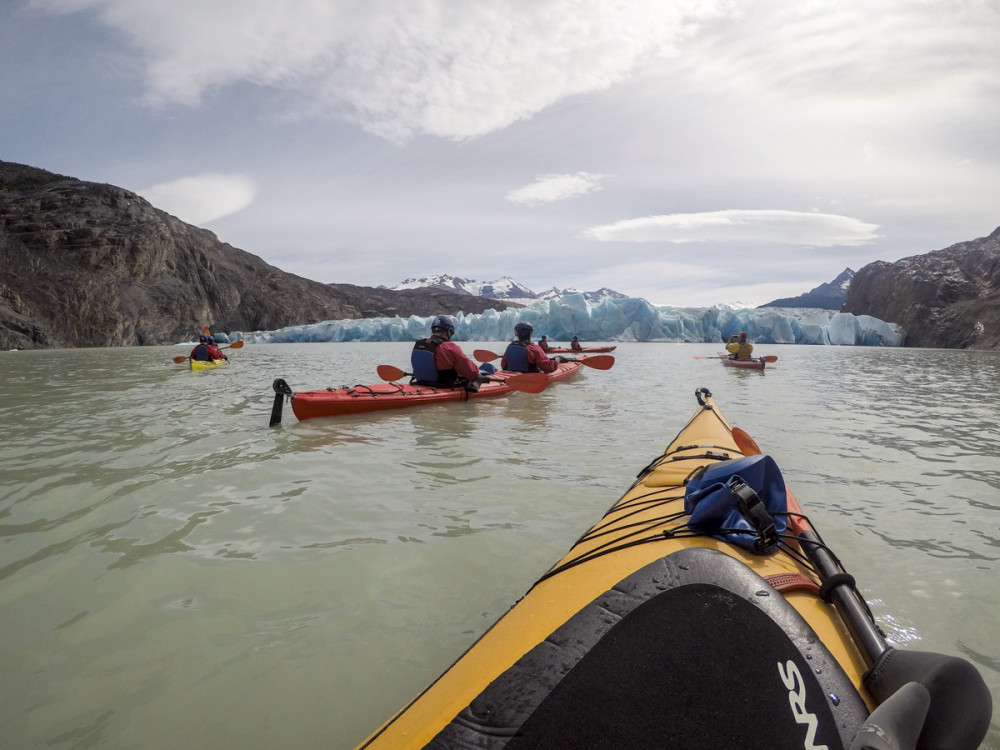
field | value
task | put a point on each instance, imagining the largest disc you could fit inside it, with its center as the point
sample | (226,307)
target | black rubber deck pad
(694,651)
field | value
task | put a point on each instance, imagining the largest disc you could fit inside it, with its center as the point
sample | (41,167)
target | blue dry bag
(742,502)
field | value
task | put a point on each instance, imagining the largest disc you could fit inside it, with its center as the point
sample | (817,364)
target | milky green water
(176,574)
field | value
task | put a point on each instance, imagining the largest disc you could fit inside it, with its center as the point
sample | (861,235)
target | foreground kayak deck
(361,399)
(651,634)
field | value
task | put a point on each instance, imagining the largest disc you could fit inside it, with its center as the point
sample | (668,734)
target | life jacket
(517,357)
(739,349)
(201,354)
(425,371)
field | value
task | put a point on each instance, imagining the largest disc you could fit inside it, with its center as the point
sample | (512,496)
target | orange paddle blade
(598,362)
(530,382)
(178,360)
(484,355)
(747,445)
(390,373)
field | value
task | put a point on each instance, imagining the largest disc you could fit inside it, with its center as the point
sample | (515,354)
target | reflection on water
(165,554)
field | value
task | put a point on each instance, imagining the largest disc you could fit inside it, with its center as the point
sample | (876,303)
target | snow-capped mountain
(828,296)
(504,288)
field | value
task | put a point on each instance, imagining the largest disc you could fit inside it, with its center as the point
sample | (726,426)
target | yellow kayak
(702,611)
(215,363)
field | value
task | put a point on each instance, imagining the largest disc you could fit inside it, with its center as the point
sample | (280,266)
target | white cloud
(200,199)
(556,187)
(835,109)
(852,48)
(451,69)
(460,70)
(779,227)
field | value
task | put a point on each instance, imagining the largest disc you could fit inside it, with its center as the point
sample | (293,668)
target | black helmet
(444,323)
(523,330)
(203,339)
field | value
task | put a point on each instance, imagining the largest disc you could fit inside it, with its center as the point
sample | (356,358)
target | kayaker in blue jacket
(437,361)
(523,356)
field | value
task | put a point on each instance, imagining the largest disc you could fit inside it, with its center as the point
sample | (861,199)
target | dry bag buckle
(755,512)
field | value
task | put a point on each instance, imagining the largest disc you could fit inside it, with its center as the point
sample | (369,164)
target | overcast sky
(689,152)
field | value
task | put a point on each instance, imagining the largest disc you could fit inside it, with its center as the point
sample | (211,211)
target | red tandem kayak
(361,399)
(585,350)
(746,364)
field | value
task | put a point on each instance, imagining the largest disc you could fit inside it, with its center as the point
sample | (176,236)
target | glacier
(623,320)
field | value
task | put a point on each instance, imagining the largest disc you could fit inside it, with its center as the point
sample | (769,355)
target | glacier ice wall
(613,320)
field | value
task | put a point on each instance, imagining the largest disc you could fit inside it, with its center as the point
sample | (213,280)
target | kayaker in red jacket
(544,344)
(575,345)
(438,361)
(523,356)
(201,352)
(215,351)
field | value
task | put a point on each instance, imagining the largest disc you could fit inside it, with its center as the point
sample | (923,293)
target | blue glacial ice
(613,320)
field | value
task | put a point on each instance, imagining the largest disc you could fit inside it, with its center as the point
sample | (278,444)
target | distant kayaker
(523,356)
(201,352)
(738,346)
(575,345)
(215,351)
(544,344)
(437,361)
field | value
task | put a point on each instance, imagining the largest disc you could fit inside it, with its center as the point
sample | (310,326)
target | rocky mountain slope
(828,296)
(948,298)
(87,264)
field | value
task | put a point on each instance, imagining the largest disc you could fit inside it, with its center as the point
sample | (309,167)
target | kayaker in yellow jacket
(738,346)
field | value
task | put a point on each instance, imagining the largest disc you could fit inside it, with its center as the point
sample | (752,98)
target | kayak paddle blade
(484,355)
(747,445)
(531,382)
(180,359)
(390,373)
(598,362)
(234,345)
(770,358)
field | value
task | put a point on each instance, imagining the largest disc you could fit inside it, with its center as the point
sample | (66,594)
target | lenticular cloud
(776,227)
